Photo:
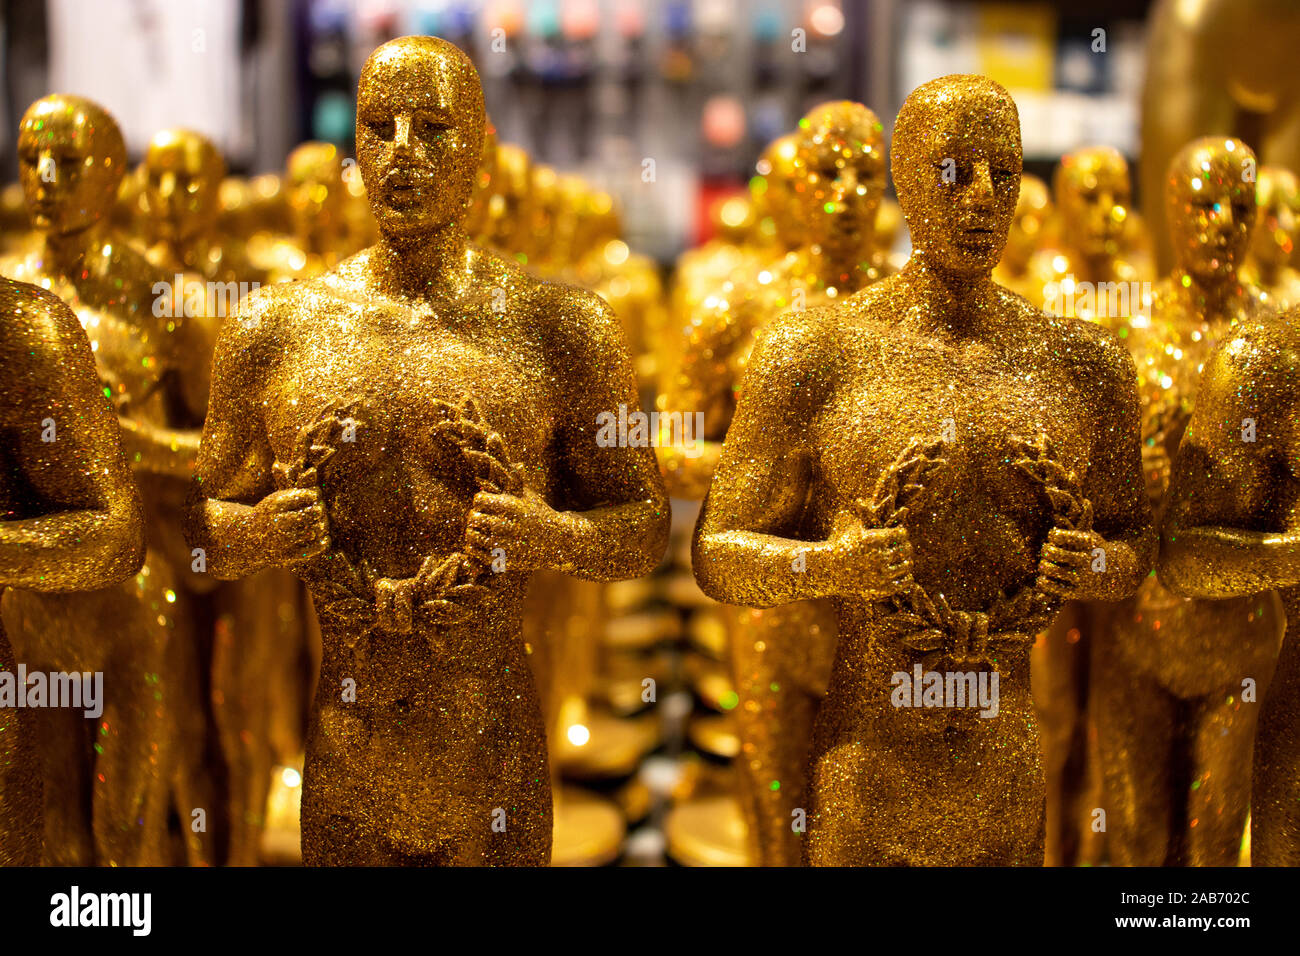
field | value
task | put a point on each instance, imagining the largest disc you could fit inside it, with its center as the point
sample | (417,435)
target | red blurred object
(712,193)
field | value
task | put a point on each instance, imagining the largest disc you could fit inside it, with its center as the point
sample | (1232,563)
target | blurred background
(590,86)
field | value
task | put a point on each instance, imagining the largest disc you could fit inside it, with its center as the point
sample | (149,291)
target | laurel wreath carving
(926,623)
(346,593)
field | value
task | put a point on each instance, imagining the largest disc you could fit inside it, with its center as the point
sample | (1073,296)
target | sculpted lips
(403,185)
(975,236)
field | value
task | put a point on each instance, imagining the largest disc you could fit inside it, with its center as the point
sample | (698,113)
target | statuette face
(419,138)
(960,184)
(840,157)
(182,175)
(1273,241)
(1094,196)
(1210,203)
(70,155)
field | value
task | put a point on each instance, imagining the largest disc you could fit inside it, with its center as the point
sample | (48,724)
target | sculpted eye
(429,129)
(381,128)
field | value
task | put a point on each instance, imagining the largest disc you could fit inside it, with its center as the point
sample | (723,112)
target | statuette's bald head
(71,161)
(956,161)
(420,123)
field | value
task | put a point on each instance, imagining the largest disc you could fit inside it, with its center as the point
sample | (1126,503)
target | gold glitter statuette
(72,519)
(954,550)
(414,431)
(1230,531)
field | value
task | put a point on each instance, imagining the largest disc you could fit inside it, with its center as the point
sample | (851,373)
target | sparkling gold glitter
(1228,538)
(1269,266)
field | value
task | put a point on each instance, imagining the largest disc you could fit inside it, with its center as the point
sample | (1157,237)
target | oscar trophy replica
(627,280)
(735,224)
(1167,672)
(414,431)
(824,194)
(1229,531)
(249,659)
(1024,239)
(780,657)
(823,184)
(1273,243)
(72,521)
(152,359)
(509,217)
(564,618)
(1090,272)
(948,464)
(700,273)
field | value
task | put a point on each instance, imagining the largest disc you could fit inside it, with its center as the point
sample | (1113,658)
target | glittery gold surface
(836,481)
(824,184)
(921,466)
(315,197)
(141,633)
(1174,736)
(181,174)
(1229,532)
(1216,67)
(389,433)
(71,520)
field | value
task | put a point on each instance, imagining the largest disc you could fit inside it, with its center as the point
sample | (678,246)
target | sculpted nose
(1218,225)
(49,173)
(167,185)
(402,132)
(981,182)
